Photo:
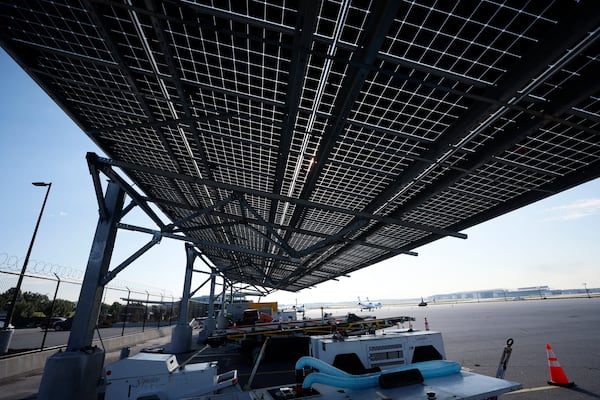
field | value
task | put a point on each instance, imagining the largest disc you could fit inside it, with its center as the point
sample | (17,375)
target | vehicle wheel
(57,327)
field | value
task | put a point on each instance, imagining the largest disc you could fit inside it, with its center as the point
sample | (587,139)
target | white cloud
(576,210)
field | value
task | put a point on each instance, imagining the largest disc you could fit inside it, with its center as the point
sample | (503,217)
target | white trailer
(387,348)
(160,377)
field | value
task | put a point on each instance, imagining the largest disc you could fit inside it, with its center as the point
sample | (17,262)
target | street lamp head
(41,183)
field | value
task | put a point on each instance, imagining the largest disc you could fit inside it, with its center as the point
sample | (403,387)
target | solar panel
(293,142)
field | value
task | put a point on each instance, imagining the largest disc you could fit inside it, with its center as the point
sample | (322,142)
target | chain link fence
(49,294)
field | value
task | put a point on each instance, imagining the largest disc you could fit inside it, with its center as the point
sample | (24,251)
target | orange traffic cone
(557,375)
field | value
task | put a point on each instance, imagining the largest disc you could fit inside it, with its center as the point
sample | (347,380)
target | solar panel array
(294,142)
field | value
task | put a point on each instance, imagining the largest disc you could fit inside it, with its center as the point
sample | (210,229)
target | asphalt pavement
(475,335)
(25,387)
(32,338)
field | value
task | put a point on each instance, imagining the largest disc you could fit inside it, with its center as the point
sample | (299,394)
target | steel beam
(92,159)
(206,243)
(558,185)
(187,283)
(111,274)
(181,336)
(129,75)
(274,237)
(90,297)
(555,44)
(378,23)
(303,36)
(80,367)
(269,195)
(171,227)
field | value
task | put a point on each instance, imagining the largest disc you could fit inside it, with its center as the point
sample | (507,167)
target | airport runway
(475,335)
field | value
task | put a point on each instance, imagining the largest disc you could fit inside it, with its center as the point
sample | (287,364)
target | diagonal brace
(171,226)
(131,192)
(281,243)
(360,223)
(296,201)
(95,172)
(112,274)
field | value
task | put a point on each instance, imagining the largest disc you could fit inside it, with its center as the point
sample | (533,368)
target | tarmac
(474,335)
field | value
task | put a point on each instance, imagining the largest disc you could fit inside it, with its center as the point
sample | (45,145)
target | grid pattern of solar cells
(294,142)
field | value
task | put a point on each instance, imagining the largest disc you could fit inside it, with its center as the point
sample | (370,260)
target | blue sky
(553,242)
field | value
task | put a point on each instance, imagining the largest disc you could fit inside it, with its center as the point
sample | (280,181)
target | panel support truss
(240,261)
(293,143)
(105,164)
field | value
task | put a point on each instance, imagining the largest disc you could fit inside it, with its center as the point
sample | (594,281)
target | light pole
(7,331)
(586,290)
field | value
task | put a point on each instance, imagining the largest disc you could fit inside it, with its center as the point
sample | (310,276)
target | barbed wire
(12,263)
(15,263)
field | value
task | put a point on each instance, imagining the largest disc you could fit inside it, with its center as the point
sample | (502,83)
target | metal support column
(181,337)
(187,284)
(210,320)
(74,374)
(222,318)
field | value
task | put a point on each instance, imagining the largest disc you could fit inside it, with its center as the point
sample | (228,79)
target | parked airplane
(368,305)
(298,308)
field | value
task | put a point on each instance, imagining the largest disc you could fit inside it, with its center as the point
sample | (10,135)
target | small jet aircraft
(369,305)
(298,308)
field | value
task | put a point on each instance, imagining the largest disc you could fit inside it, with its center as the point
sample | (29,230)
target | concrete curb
(35,361)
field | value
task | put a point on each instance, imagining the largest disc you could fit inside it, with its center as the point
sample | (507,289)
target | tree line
(31,308)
